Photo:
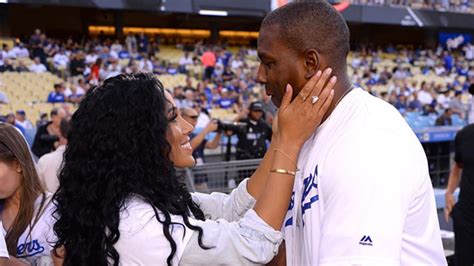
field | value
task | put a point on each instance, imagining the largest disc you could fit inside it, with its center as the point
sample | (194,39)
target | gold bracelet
(286,155)
(282,171)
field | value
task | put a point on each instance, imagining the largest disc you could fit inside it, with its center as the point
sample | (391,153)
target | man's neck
(343,84)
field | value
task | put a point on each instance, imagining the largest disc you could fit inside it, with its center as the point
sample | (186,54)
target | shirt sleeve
(3,245)
(250,241)
(229,207)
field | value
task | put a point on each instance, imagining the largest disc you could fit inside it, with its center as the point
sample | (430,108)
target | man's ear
(311,63)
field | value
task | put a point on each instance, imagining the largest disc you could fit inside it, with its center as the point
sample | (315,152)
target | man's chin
(276,101)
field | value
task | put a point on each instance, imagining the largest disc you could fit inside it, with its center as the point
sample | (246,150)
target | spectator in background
(445,118)
(424,95)
(12,121)
(185,61)
(95,71)
(77,66)
(20,51)
(116,47)
(131,42)
(76,94)
(22,121)
(50,163)
(92,56)
(415,104)
(60,60)
(208,59)
(22,67)
(401,103)
(226,101)
(43,120)
(443,99)
(27,209)
(57,96)
(142,43)
(457,106)
(252,140)
(199,143)
(48,134)
(188,101)
(37,66)
(462,212)
(7,66)
(469,51)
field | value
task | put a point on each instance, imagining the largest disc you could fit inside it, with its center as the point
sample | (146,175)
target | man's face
(255,114)
(279,65)
(191,116)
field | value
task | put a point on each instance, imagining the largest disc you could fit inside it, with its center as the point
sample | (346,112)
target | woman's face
(10,179)
(178,136)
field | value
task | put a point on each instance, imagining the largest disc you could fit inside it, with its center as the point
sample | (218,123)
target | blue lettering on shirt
(29,249)
(292,204)
(310,192)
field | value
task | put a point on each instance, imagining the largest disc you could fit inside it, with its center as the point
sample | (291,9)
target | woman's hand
(298,120)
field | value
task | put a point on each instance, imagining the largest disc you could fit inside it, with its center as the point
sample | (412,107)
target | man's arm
(453,183)
(196,141)
(215,141)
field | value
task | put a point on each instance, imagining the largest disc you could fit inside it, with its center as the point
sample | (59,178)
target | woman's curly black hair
(117,149)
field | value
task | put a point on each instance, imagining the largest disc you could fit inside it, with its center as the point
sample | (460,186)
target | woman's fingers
(286,97)
(308,87)
(324,96)
(318,87)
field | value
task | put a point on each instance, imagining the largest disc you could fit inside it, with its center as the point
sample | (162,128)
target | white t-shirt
(38,68)
(37,242)
(3,245)
(363,195)
(425,97)
(48,168)
(186,61)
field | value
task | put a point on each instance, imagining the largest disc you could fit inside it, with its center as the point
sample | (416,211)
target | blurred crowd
(440,5)
(218,78)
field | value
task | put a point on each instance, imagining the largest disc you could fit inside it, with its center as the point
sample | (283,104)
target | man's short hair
(64,127)
(312,24)
(54,112)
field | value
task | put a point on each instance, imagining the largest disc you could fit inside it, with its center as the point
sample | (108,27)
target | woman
(120,202)
(25,207)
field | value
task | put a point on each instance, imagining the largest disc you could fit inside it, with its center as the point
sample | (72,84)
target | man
(50,163)
(362,194)
(199,143)
(251,142)
(208,60)
(12,121)
(77,66)
(22,121)
(457,106)
(462,176)
(48,134)
(445,119)
(57,96)
(37,66)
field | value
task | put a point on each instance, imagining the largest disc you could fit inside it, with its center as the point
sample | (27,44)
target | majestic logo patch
(366,241)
